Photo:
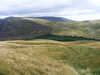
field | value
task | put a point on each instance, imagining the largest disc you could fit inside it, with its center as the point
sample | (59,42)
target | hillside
(33,46)
(59,19)
(20,28)
(48,57)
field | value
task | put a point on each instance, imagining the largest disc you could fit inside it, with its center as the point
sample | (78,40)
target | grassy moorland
(43,47)
(49,57)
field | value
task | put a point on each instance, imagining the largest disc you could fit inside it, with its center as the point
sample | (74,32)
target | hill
(48,57)
(20,27)
(34,46)
(60,19)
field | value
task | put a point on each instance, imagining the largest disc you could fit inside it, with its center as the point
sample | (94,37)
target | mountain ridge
(52,18)
(31,27)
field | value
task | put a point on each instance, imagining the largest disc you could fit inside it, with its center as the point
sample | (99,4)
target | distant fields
(49,57)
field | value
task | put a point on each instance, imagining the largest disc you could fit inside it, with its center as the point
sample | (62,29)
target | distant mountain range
(23,27)
(61,19)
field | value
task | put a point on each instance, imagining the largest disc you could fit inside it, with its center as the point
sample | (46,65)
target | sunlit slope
(51,18)
(32,58)
(89,29)
(48,57)
(19,26)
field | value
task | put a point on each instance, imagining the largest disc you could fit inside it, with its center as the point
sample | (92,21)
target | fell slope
(31,58)
(48,57)
(59,19)
(19,27)
(90,29)
(32,27)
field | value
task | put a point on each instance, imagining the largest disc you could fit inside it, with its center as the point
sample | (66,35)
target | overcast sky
(72,9)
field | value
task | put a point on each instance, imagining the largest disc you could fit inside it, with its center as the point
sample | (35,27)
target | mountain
(45,47)
(23,27)
(19,27)
(61,19)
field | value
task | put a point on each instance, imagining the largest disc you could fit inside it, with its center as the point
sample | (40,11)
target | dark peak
(10,17)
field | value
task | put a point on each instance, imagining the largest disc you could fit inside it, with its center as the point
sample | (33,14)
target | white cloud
(94,2)
(11,4)
(13,7)
(85,17)
(74,9)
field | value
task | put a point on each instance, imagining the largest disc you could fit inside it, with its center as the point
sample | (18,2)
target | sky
(72,9)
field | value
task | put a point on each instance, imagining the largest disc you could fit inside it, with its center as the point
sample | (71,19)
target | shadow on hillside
(62,38)
(49,37)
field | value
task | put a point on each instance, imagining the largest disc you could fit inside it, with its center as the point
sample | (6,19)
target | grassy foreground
(48,57)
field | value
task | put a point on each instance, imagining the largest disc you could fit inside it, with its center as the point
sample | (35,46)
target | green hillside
(41,47)
(18,27)
(29,27)
(48,57)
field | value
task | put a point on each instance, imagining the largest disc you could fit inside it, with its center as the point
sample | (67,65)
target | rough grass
(48,57)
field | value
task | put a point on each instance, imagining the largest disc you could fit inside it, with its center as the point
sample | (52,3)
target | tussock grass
(48,57)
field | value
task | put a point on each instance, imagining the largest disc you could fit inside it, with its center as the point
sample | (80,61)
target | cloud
(85,17)
(73,9)
(95,3)
(13,7)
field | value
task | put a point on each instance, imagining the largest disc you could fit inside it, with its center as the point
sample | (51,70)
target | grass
(49,57)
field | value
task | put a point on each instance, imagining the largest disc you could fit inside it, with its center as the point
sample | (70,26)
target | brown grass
(30,59)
